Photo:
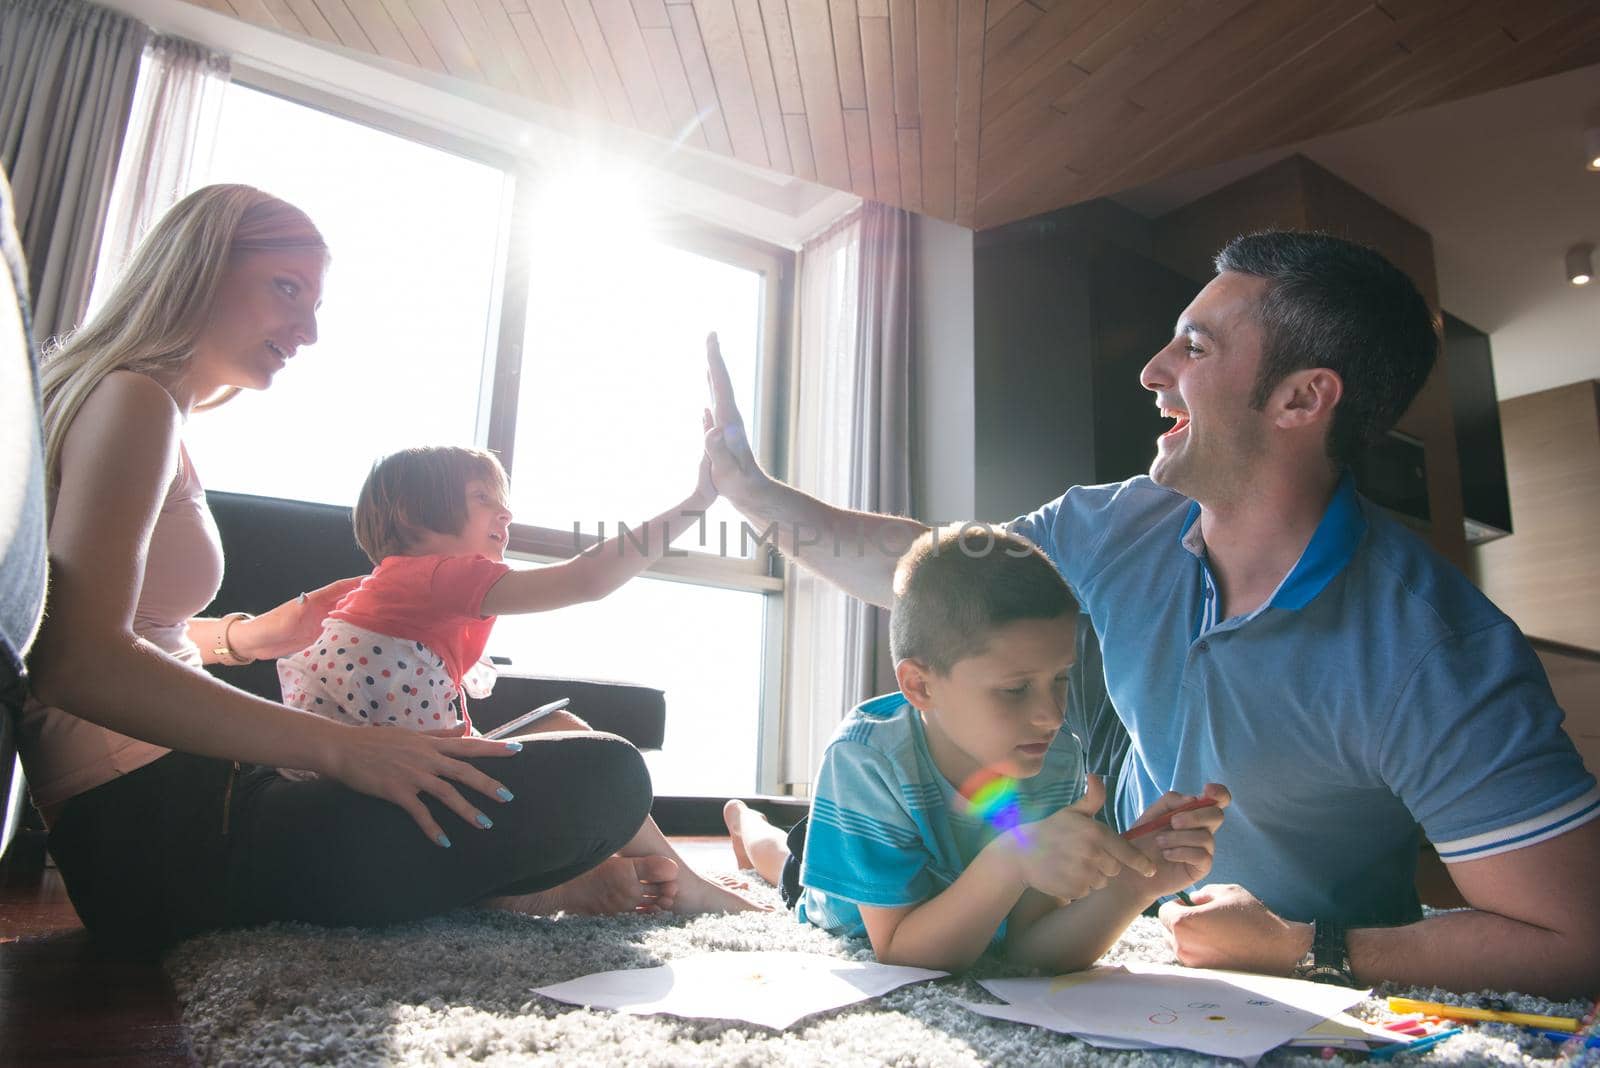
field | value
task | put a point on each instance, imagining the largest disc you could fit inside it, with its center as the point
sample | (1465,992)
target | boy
(954,814)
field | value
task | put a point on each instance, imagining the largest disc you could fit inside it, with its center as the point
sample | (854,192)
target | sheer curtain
(175,109)
(67,76)
(849,446)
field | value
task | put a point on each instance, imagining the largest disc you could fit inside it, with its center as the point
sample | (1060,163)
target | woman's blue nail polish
(484,821)
(515,747)
(504,794)
(443,839)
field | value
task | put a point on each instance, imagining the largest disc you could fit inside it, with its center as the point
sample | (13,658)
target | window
(404,328)
(585,374)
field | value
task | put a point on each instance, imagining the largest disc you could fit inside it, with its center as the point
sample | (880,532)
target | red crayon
(1164,821)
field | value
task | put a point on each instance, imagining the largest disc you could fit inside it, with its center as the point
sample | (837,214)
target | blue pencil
(1591,1042)
(1423,1043)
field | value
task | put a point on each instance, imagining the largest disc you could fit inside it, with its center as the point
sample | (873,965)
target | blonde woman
(145,767)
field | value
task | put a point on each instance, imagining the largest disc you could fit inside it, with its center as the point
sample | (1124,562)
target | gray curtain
(67,76)
(880,475)
(177,107)
(849,445)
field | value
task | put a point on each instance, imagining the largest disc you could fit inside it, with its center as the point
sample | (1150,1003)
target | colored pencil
(1164,821)
(1464,1012)
(1418,1046)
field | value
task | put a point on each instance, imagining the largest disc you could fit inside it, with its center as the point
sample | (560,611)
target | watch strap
(1328,960)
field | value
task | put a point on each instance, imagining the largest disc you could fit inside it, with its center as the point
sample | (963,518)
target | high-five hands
(1069,854)
(734,469)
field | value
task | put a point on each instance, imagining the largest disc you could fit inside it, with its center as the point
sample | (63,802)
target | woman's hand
(400,766)
(291,626)
(1183,853)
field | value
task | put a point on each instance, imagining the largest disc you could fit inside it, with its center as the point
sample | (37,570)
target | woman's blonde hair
(163,298)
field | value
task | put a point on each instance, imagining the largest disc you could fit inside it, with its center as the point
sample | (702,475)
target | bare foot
(697,894)
(730,880)
(617,884)
(734,813)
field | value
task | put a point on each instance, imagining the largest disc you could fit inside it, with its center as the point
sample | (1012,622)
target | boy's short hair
(952,590)
(421,489)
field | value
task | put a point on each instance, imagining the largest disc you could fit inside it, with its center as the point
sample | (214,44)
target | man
(1264,626)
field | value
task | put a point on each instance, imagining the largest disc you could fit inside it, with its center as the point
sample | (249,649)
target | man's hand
(705,487)
(1227,927)
(1183,853)
(734,469)
(1069,854)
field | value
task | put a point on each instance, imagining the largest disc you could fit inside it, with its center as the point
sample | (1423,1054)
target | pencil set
(1426,1024)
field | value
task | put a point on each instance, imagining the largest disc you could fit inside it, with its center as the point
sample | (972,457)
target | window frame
(501,373)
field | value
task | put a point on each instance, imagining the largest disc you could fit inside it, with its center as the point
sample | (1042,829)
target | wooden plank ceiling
(976,111)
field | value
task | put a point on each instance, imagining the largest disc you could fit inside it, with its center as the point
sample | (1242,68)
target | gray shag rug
(458,989)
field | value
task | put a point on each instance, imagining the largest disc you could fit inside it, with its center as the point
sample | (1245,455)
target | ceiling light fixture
(1580,264)
(1591,141)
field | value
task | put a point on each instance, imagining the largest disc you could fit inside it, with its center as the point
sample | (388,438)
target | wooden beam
(674,81)
(969,107)
(697,68)
(878,68)
(446,38)
(719,32)
(753,34)
(632,58)
(819,81)
(415,37)
(561,40)
(592,40)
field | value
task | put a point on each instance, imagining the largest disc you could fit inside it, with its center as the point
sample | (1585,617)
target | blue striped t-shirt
(888,829)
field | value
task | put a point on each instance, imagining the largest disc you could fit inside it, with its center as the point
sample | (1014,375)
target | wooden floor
(62,1001)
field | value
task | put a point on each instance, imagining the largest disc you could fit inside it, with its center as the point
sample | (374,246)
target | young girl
(405,648)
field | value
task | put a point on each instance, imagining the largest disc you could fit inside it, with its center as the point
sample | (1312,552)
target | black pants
(188,844)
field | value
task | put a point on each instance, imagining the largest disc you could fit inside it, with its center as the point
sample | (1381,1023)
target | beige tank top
(63,755)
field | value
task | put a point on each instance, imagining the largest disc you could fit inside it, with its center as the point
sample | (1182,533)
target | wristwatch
(1328,959)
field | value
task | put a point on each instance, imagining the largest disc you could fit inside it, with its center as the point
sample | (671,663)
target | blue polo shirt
(1377,690)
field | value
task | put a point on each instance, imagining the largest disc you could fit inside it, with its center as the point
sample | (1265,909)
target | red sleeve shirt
(434,600)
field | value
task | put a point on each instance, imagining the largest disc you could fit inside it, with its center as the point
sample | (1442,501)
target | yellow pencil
(1463,1012)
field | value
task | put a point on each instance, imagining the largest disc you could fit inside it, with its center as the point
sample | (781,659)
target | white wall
(944,446)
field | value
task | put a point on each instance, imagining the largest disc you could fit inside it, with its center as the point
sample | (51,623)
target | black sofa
(277,548)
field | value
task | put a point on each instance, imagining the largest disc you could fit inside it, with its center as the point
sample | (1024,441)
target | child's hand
(1069,854)
(1183,854)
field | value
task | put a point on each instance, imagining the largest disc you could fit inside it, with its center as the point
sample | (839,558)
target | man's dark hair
(953,589)
(410,492)
(1336,304)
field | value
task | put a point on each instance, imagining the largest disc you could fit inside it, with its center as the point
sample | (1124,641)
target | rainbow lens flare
(993,797)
